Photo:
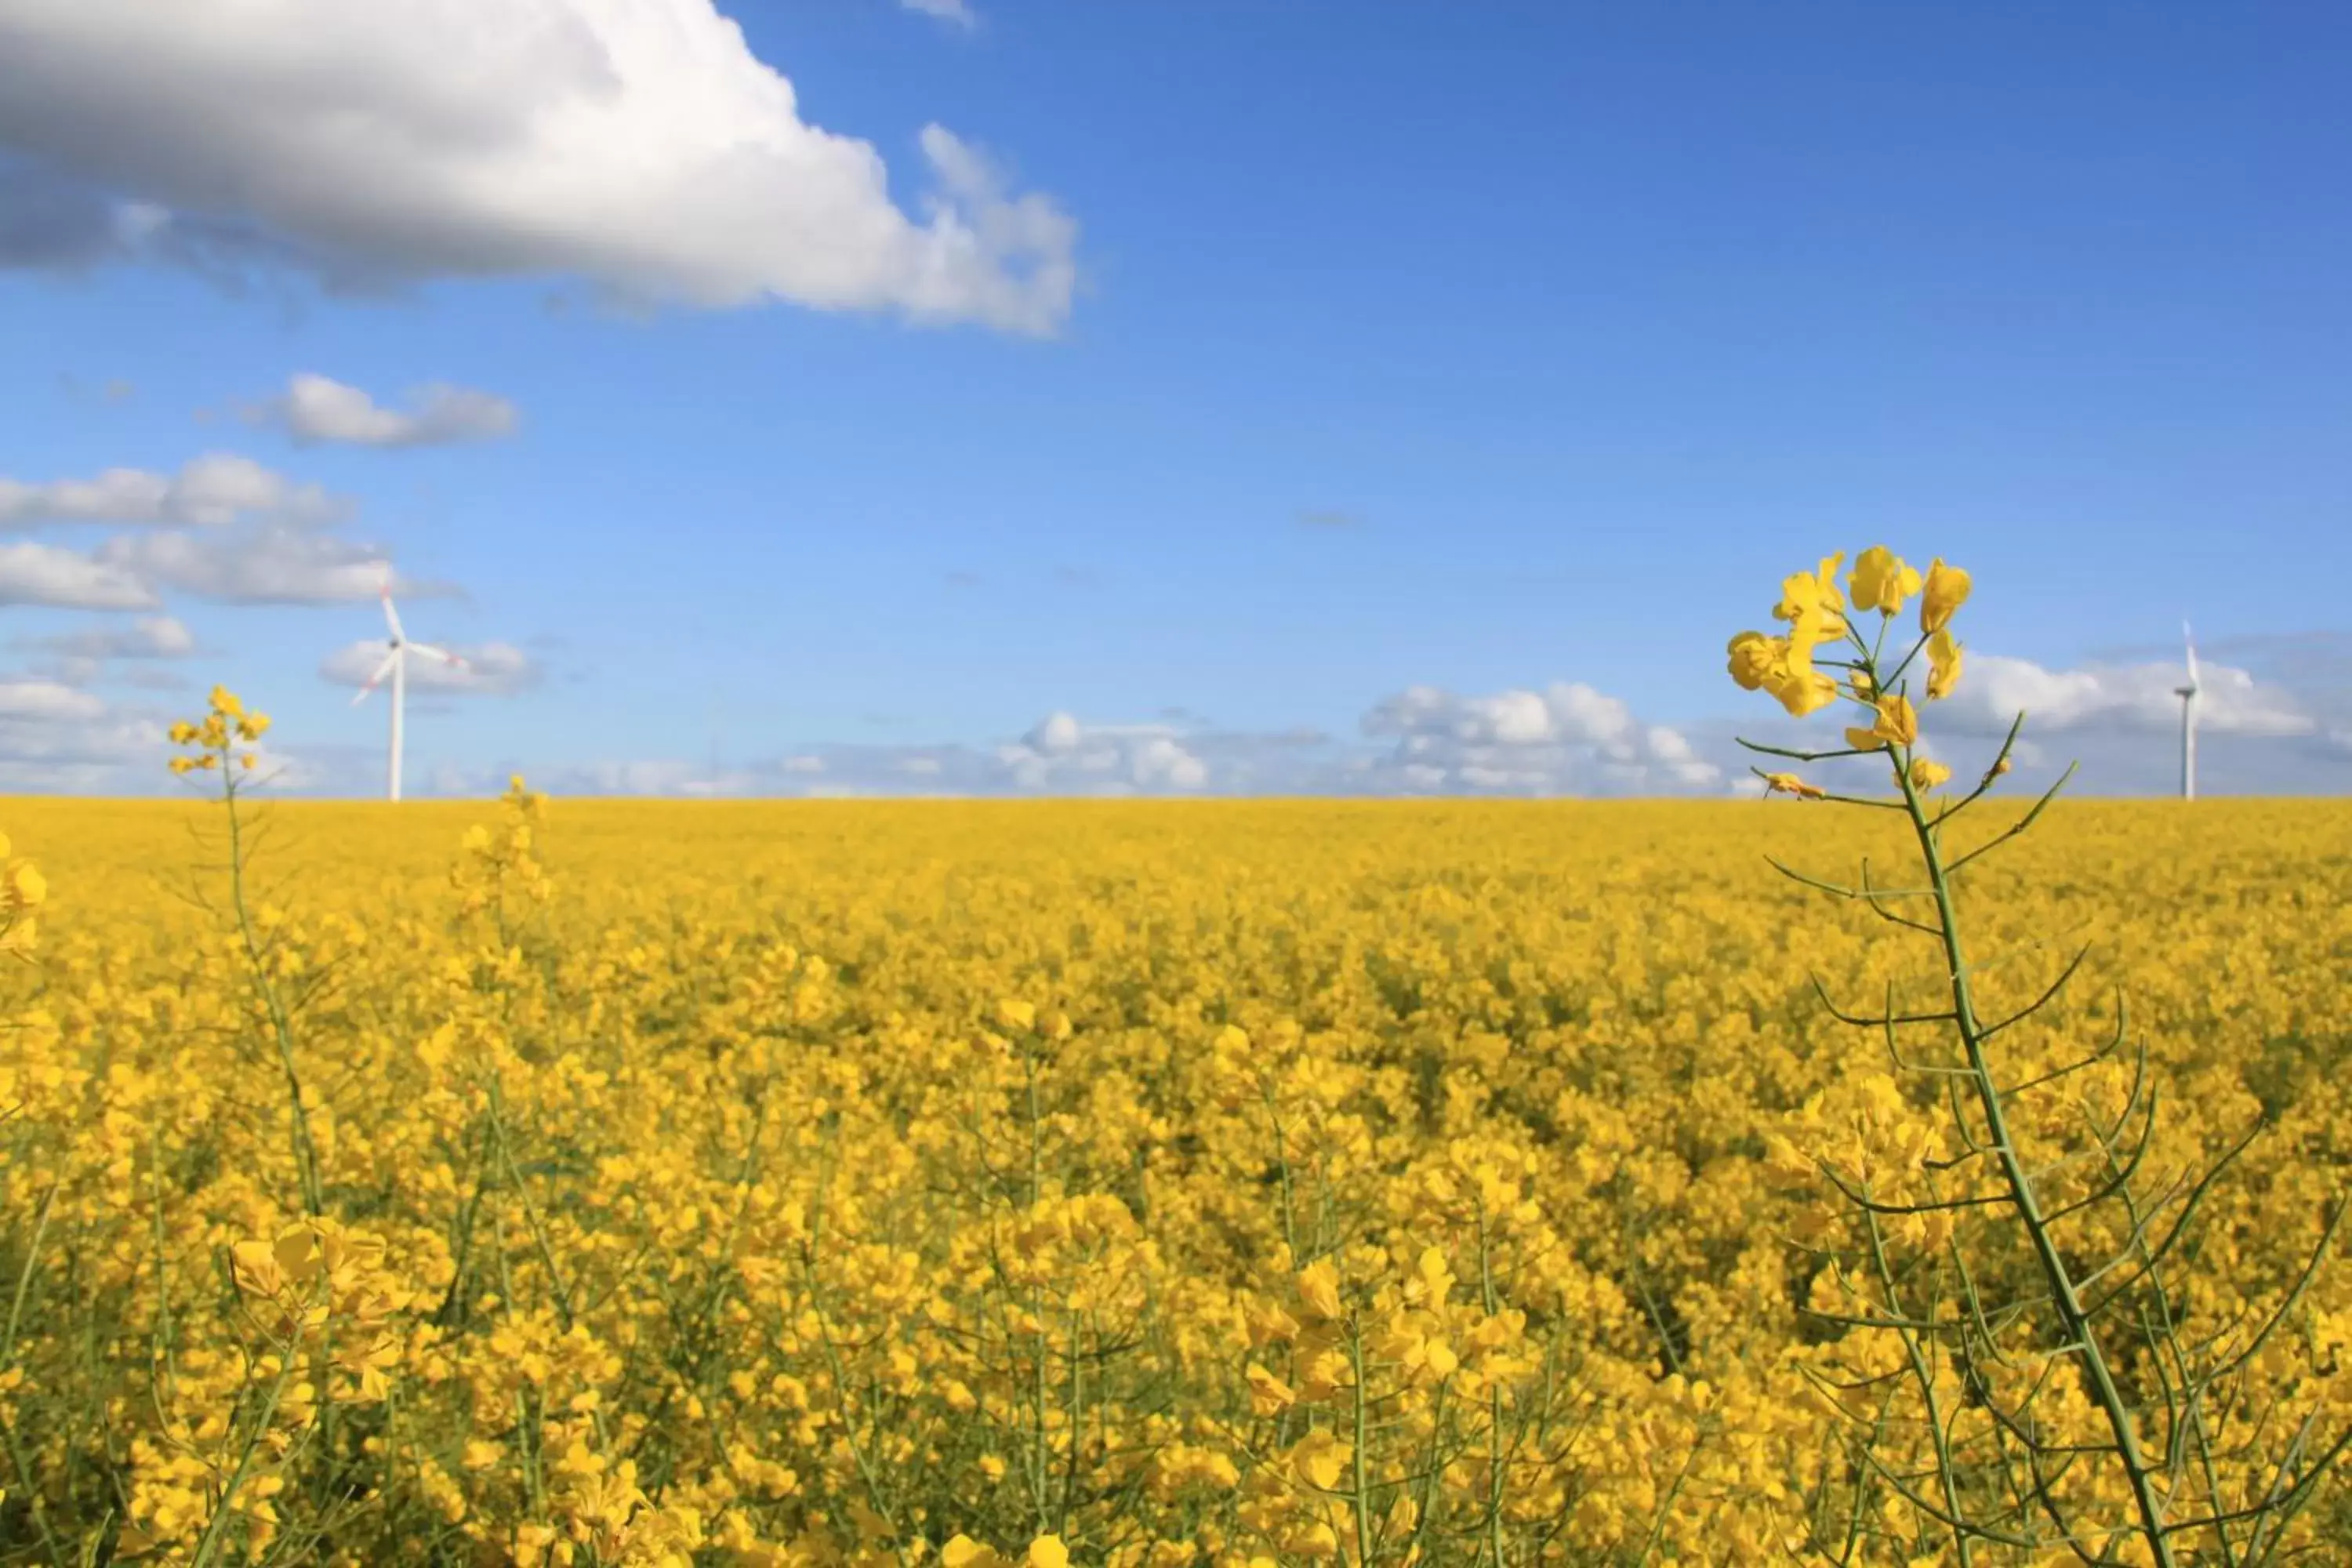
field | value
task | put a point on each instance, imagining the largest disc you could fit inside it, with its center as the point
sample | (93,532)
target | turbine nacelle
(2188,695)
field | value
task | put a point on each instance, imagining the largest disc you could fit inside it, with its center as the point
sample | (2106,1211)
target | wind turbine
(395,664)
(2188,695)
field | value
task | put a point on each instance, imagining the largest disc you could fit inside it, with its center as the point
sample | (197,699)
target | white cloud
(315,409)
(2117,698)
(34,573)
(148,637)
(627,778)
(1054,735)
(646,776)
(638,144)
(2117,724)
(47,699)
(54,739)
(491,670)
(210,492)
(1160,762)
(261,566)
(1061,755)
(1568,738)
(957,13)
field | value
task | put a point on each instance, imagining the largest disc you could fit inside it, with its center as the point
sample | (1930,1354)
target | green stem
(1925,1375)
(281,1025)
(209,1541)
(1488,1302)
(2105,1390)
(1362,1499)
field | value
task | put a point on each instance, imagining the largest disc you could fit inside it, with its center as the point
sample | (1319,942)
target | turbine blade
(2188,640)
(375,680)
(391,615)
(443,655)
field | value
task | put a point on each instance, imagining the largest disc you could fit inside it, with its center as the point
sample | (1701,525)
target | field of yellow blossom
(1122,1183)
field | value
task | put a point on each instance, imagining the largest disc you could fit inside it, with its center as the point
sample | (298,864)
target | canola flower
(986,1184)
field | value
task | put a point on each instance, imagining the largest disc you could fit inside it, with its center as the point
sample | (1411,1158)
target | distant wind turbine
(397,648)
(2188,695)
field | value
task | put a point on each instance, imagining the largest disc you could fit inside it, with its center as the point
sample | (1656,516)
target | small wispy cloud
(316,410)
(114,389)
(955,13)
(148,637)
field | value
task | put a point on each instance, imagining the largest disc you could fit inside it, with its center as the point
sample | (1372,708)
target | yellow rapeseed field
(1140,1184)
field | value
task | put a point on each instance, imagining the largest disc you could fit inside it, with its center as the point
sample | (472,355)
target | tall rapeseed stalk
(2024,1379)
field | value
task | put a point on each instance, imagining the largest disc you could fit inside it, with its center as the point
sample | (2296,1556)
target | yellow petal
(1946,590)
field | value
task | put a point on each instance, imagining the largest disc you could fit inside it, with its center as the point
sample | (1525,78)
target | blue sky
(1325,382)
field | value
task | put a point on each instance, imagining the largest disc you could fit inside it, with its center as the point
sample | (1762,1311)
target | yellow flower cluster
(1242,1185)
(1784,664)
(23,892)
(211,742)
(1786,667)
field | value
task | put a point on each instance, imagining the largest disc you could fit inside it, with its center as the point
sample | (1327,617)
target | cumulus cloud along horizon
(2119,723)
(1566,738)
(215,491)
(636,144)
(55,738)
(316,410)
(2117,698)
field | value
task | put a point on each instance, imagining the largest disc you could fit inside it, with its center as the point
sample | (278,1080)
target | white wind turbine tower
(395,664)
(2188,695)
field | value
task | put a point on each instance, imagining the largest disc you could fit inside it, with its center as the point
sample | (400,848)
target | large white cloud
(316,410)
(636,143)
(210,492)
(491,670)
